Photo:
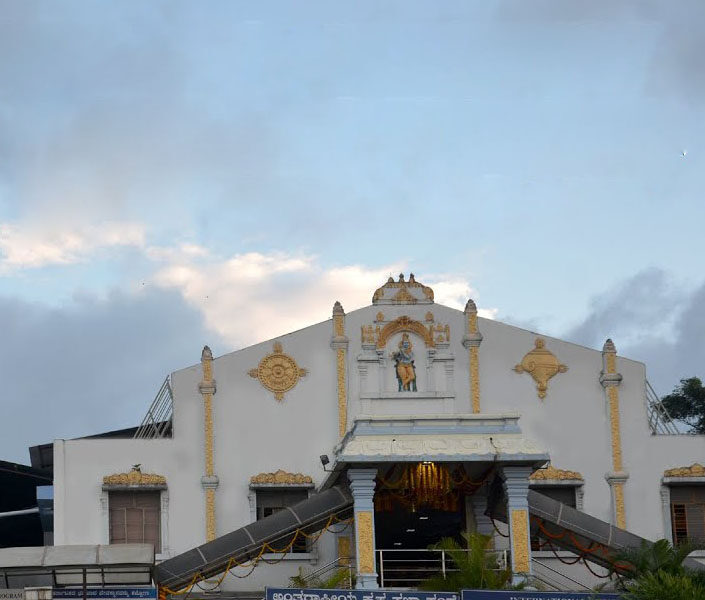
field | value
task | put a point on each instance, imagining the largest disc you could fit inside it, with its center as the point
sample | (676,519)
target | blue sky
(197,163)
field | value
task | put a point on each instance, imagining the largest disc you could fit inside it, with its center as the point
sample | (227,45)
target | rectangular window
(688,513)
(563,493)
(270,501)
(135,518)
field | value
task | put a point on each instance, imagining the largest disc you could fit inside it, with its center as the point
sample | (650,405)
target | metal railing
(407,568)
(314,577)
(157,422)
(556,580)
(660,422)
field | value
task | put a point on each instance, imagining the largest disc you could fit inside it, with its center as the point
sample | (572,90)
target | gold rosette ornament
(278,372)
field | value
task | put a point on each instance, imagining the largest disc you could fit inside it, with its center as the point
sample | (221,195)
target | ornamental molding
(542,365)
(380,446)
(403,292)
(694,470)
(278,372)
(135,477)
(404,323)
(551,473)
(281,477)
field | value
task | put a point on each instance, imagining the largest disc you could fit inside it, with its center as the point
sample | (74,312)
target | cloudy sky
(180,173)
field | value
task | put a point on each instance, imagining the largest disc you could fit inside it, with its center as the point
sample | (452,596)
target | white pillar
(362,486)
(516,486)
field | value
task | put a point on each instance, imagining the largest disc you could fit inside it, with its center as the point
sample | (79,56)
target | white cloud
(254,296)
(33,247)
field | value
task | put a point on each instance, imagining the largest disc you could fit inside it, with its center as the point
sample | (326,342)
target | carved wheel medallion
(278,372)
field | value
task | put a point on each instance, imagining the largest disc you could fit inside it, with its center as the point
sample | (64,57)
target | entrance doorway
(416,506)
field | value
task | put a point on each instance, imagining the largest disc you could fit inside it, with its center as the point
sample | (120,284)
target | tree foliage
(649,558)
(656,572)
(474,568)
(661,585)
(687,403)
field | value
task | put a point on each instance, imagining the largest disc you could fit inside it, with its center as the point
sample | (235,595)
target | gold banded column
(472,340)
(616,478)
(516,486)
(339,343)
(362,487)
(209,481)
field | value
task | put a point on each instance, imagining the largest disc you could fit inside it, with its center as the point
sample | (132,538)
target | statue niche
(404,366)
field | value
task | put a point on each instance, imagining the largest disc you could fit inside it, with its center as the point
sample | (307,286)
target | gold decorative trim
(429,317)
(473,339)
(368,334)
(278,372)
(400,290)
(340,344)
(475,378)
(405,323)
(542,365)
(342,394)
(380,316)
(520,540)
(694,470)
(135,477)
(206,389)
(403,296)
(619,505)
(281,477)
(615,431)
(609,353)
(365,542)
(344,550)
(552,473)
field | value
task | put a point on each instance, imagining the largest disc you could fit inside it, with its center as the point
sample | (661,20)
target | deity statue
(404,365)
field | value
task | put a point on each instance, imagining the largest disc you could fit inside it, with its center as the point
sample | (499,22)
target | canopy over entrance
(465,438)
(116,564)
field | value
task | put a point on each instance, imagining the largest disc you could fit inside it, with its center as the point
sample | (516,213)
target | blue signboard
(127,593)
(306,594)
(530,595)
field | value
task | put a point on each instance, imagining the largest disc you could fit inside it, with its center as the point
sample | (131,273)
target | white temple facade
(403,388)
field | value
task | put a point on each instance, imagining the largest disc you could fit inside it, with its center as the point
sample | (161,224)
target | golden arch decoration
(404,324)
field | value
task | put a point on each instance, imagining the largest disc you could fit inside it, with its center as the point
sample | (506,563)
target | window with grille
(135,517)
(688,513)
(270,501)
(563,493)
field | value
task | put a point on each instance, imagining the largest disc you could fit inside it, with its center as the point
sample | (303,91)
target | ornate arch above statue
(405,323)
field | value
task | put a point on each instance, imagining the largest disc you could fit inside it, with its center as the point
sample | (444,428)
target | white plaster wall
(255,433)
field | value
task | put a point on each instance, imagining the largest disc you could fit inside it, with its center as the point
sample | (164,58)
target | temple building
(427,421)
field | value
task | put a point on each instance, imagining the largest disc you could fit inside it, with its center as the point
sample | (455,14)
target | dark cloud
(651,320)
(92,366)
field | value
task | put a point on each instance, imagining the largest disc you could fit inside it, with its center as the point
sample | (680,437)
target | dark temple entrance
(416,506)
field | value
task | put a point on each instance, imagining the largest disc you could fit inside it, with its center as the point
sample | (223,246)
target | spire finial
(609,346)
(206,354)
(338,308)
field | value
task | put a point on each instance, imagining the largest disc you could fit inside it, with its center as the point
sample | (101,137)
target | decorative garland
(252,563)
